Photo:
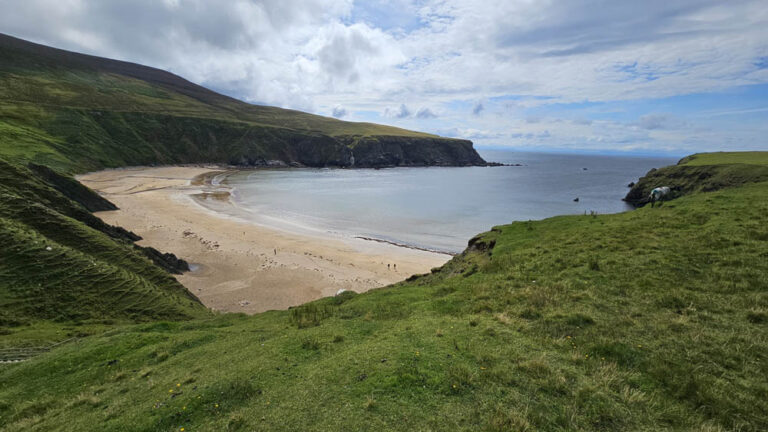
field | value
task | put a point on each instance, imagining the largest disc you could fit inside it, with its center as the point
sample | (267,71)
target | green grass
(722,158)
(60,265)
(654,319)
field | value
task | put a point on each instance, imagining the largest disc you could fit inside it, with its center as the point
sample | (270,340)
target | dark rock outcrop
(392,151)
(484,242)
(167,261)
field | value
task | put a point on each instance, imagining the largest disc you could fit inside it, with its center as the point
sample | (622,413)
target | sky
(650,77)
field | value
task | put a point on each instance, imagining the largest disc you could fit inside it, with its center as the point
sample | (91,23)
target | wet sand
(241,265)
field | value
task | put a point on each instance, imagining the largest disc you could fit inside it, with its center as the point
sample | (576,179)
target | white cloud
(339,111)
(400,112)
(425,113)
(501,59)
(478,108)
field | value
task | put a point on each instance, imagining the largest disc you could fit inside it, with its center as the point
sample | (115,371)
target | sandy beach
(240,265)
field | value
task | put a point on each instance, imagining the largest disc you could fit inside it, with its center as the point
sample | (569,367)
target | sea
(437,208)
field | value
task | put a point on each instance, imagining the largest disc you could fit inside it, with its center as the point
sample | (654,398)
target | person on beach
(387,266)
(394,266)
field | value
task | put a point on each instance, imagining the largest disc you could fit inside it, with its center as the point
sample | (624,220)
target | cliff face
(89,140)
(298,149)
(389,151)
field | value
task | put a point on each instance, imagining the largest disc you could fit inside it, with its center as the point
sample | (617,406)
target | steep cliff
(381,151)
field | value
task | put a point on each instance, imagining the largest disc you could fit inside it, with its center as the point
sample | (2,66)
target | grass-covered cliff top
(655,319)
(724,158)
(702,172)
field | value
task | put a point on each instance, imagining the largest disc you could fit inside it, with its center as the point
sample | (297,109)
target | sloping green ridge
(44,75)
(654,319)
(77,113)
(59,262)
(79,140)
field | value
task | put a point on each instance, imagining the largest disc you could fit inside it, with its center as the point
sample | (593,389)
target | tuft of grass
(309,315)
(370,403)
(311,344)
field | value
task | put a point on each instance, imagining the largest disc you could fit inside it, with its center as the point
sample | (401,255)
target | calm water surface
(439,208)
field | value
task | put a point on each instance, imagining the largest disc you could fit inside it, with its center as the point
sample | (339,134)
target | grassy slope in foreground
(80,113)
(60,265)
(656,319)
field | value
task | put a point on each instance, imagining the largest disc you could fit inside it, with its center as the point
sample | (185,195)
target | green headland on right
(653,319)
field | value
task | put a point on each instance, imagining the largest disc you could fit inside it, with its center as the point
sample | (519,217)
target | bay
(439,208)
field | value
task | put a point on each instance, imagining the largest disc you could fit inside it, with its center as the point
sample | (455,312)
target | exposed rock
(392,151)
(480,243)
(168,261)
(499,164)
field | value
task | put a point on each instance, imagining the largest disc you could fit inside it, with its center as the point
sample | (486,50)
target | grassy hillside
(654,319)
(78,113)
(60,264)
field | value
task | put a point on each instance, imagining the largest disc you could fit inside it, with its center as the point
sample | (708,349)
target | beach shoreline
(242,265)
